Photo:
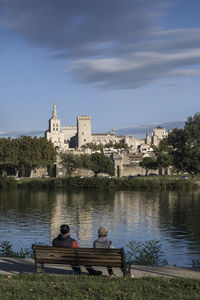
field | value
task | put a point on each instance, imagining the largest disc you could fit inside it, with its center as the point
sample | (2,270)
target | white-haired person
(104,242)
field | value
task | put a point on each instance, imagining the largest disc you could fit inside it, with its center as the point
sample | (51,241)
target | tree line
(92,146)
(180,149)
(23,154)
(96,162)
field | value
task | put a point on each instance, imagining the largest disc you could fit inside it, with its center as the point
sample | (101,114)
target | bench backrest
(79,256)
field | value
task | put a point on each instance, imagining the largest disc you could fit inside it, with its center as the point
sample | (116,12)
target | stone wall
(39,172)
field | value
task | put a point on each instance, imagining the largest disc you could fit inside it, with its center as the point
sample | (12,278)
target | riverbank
(125,183)
(16,266)
(30,286)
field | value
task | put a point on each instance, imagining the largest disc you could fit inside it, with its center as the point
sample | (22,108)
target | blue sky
(123,62)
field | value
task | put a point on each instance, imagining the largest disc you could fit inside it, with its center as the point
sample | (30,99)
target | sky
(123,62)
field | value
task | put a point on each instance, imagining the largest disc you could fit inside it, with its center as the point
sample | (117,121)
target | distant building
(67,138)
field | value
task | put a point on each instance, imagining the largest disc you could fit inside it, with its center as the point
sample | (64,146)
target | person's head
(102,232)
(64,229)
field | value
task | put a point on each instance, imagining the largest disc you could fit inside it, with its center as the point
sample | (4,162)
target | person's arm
(111,245)
(75,245)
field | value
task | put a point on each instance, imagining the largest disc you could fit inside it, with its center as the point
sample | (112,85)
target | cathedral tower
(54,133)
(54,122)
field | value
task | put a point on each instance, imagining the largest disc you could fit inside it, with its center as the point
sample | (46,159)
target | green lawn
(84,287)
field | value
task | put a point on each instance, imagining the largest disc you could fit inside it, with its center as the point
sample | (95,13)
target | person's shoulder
(54,241)
(94,243)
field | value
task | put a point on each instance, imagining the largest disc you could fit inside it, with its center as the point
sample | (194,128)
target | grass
(83,287)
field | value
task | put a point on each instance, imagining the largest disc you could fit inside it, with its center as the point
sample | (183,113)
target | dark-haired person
(104,242)
(64,240)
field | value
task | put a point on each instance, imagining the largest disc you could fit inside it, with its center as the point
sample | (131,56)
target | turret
(148,138)
(83,130)
(54,112)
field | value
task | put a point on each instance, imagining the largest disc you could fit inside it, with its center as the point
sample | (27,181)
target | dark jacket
(67,241)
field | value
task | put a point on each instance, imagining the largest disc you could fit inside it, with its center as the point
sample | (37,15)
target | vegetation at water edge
(125,183)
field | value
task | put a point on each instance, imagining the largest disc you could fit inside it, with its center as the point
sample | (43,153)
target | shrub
(6,250)
(7,182)
(147,253)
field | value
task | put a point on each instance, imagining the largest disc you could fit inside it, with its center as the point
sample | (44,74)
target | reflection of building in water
(85,213)
(70,209)
(132,207)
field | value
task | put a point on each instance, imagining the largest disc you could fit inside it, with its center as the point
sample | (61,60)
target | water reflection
(170,216)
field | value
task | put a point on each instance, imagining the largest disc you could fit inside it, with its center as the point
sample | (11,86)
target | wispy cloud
(115,44)
(15,134)
(139,130)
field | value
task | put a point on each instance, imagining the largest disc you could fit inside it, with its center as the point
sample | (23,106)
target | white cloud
(136,69)
(115,43)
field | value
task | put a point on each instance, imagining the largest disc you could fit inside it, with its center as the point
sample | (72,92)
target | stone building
(67,138)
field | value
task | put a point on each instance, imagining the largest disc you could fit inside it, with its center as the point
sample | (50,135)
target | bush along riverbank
(137,253)
(124,183)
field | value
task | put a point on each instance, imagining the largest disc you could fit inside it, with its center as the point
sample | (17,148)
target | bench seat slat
(78,259)
(57,249)
(65,255)
(83,263)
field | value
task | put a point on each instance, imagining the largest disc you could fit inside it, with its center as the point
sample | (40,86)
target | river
(172,217)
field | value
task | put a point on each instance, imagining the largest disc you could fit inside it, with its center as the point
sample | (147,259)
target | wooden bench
(79,257)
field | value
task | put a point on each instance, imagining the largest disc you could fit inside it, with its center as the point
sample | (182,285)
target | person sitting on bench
(64,240)
(104,242)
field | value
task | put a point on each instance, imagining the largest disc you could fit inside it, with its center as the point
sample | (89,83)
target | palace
(67,138)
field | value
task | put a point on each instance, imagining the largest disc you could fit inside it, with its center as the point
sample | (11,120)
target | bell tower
(54,122)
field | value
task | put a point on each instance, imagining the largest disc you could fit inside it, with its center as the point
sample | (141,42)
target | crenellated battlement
(69,127)
(84,118)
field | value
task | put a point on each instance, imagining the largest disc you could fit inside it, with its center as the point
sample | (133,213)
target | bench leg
(39,268)
(126,270)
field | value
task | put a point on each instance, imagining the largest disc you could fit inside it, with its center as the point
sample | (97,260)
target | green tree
(149,163)
(92,146)
(101,164)
(163,154)
(181,148)
(177,142)
(24,154)
(70,162)
(185,145)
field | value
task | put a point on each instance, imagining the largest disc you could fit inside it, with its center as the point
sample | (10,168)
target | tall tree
(182,147)
(149,163)
(101,164)
(24,154)
(163,154)
(70,162)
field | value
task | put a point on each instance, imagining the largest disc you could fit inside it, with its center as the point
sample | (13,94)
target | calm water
(172,217)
